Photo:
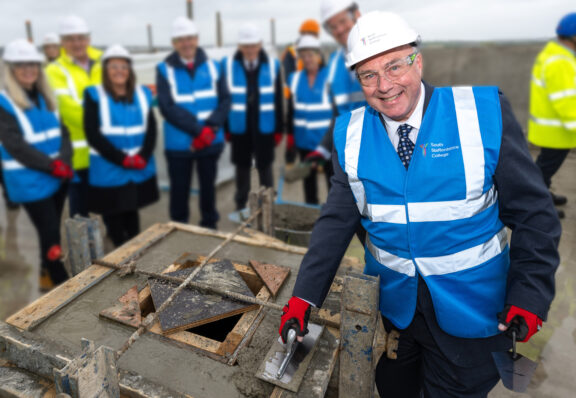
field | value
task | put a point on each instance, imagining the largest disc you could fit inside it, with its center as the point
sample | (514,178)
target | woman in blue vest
(309,109)
(121,130)
(35,151)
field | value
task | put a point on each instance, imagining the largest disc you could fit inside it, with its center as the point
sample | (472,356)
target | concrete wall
(508,66)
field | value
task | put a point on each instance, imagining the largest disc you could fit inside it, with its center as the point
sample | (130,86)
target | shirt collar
(415,120)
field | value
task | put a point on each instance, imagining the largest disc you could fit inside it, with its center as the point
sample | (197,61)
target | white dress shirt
(415,120)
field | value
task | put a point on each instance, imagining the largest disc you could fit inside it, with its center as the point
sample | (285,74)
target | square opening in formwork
(215,326)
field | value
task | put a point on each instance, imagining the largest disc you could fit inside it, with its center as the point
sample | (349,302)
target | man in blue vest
(338,18)
(255,123)
(194,100)
(434,175)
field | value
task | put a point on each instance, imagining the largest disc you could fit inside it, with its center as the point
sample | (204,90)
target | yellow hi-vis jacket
(68,80)
(553,98)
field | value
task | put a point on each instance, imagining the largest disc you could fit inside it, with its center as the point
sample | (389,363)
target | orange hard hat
(310,26)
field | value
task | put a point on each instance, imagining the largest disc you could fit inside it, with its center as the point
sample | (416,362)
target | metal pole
(273,32)
(189,10)
(29,31)
(150,41)
(218,29)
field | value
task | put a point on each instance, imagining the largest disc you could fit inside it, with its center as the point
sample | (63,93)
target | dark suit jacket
(525,207)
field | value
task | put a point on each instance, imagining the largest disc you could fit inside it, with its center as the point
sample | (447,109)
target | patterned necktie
(405,146)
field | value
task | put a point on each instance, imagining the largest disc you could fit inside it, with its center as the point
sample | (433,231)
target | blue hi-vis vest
(41,130)
(124,125)
(236,79)
(312,108)
(344,86)
(198,95)
(440,217)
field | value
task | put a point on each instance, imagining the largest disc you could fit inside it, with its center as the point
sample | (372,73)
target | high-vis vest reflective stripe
(345,89)
(553,98)
(236,79)
(69,80)
(198,95)
(124,125)
(41,130)
(312,109)
(440,217)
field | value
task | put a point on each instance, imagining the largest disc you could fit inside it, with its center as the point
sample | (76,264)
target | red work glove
(228,136)
(523,322)
(54,253)
(295,315)
(59,169)
(204,139)
(290,142)
(134,162)
(290,155)
(277,138)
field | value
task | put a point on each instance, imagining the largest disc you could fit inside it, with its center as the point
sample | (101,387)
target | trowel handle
(290,348)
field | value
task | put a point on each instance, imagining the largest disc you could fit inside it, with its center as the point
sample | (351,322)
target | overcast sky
(124,21)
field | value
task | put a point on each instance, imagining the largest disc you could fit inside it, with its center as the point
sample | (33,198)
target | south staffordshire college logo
(423,146)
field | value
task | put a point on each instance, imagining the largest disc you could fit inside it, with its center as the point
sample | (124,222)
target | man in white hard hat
(194,100)
(434,175)
(256,120)
(51,46)
(338,18)
(76,68)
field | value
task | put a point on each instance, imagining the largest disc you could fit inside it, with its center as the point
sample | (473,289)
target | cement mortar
(155,358)
(298,218)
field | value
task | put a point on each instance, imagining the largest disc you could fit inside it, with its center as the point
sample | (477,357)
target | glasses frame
(409,61)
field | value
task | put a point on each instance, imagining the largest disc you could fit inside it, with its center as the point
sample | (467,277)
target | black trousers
(265,175)
(121,227)
(422,370)
(311,182)
(180,170)
(549,161)
(78,194)
(46,215)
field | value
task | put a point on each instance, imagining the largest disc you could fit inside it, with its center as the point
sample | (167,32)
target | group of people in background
(81,126)
(75,124)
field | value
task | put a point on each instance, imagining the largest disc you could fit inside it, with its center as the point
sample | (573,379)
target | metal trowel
(515,369)
(285,364)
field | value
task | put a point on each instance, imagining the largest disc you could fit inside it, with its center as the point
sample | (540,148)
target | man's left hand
(525,323)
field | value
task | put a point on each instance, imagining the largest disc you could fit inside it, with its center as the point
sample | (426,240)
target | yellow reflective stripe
(78,144)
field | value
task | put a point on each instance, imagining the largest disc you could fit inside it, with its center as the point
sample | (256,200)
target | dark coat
(180,117)
(253,142)
(525,206)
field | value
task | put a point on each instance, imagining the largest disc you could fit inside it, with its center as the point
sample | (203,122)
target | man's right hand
(295,315)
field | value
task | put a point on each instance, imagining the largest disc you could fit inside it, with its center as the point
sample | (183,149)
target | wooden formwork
(42,336)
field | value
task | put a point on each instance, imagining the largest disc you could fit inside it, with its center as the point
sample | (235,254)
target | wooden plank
(92,374)
(38,311)
(272,275)
(360,299)
(271,244)
(127,311)
(192,308)
(267,200)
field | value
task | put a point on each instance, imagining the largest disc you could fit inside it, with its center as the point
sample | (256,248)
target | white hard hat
(249,34)
(50,38)
(376,32)
(73,25)
(21,50)
(182,27)
(116,51)
(329,8)
(308,42)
